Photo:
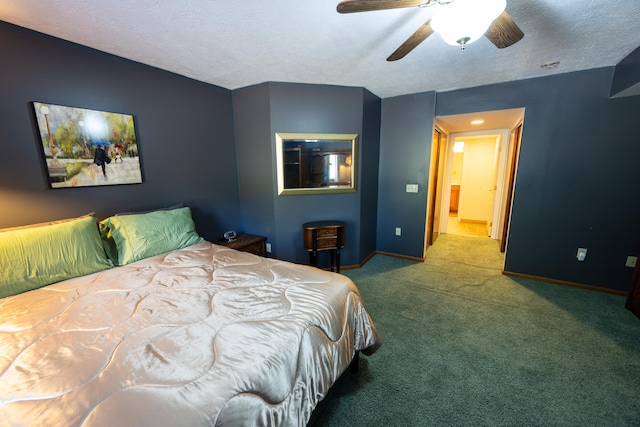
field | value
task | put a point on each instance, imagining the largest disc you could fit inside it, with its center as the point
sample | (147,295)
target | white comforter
(200,336)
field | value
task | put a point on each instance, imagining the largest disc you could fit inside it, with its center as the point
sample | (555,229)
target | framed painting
(85,148)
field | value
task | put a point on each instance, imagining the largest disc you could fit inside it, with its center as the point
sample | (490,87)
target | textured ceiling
(236,44)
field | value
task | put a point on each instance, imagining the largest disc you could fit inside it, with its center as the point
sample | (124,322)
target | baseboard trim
(473,221)
(566,283)
(354,266)
(410,258)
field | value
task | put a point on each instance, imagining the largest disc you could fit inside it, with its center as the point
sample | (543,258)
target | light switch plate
(631,261)
(412,188)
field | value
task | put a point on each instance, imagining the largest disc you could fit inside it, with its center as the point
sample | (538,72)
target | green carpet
(465,345)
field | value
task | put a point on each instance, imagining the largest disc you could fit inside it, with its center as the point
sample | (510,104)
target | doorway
(476,173)
(473,176)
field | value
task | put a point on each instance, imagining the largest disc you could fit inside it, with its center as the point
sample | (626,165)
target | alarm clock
(230,236)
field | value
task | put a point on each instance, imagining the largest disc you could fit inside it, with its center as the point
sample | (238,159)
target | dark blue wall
(405,149)
(577,178)
(184,129)
(369,186)
(576,185)
(256,161)
(299,108)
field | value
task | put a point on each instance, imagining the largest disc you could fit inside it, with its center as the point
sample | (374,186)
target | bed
(199,335)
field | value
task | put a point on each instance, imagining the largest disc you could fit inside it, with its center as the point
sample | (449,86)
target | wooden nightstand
(247,243)
(323,236)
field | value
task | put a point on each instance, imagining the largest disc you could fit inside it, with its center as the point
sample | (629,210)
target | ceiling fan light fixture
(465,21)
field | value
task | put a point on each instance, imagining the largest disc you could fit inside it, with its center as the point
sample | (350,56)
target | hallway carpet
(465,345)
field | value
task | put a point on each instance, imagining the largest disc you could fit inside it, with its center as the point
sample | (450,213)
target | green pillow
(129,238)
(36,256)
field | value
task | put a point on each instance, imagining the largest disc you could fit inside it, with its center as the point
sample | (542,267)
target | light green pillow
(36,256)
(129,238)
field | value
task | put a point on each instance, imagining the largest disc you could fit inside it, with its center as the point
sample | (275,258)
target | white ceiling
(235,44)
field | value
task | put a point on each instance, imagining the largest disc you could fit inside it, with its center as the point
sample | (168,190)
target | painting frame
(87,148)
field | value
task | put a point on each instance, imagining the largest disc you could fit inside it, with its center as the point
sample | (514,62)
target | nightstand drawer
(327,232)
(328,243)
(256,248)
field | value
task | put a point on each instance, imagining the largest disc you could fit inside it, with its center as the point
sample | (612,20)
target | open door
(513,162)
(435,188)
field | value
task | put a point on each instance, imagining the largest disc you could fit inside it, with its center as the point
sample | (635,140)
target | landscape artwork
(85,148)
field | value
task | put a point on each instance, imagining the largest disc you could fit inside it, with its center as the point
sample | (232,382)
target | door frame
(514,156)
(434,194)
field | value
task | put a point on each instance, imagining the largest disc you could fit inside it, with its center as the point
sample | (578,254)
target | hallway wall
(476,179)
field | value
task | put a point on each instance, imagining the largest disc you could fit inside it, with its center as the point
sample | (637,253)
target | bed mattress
(204,335)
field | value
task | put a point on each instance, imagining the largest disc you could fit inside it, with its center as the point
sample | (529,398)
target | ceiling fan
(459,22)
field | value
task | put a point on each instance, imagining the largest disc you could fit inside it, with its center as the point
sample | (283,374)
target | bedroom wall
(369,184)
(255,161)
(577,182)
(184,128)
(301,108)
(577,175)
(405,146)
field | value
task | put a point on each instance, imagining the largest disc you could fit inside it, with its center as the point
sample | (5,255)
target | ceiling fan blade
(416,38)
(503,31)
(349,6)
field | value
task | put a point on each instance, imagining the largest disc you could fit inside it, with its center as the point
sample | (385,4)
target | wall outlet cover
(582,254)
(412,188)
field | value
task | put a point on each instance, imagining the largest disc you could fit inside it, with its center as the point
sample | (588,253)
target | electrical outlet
(582,254)
(398,231)
(631,261)
(268,248)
